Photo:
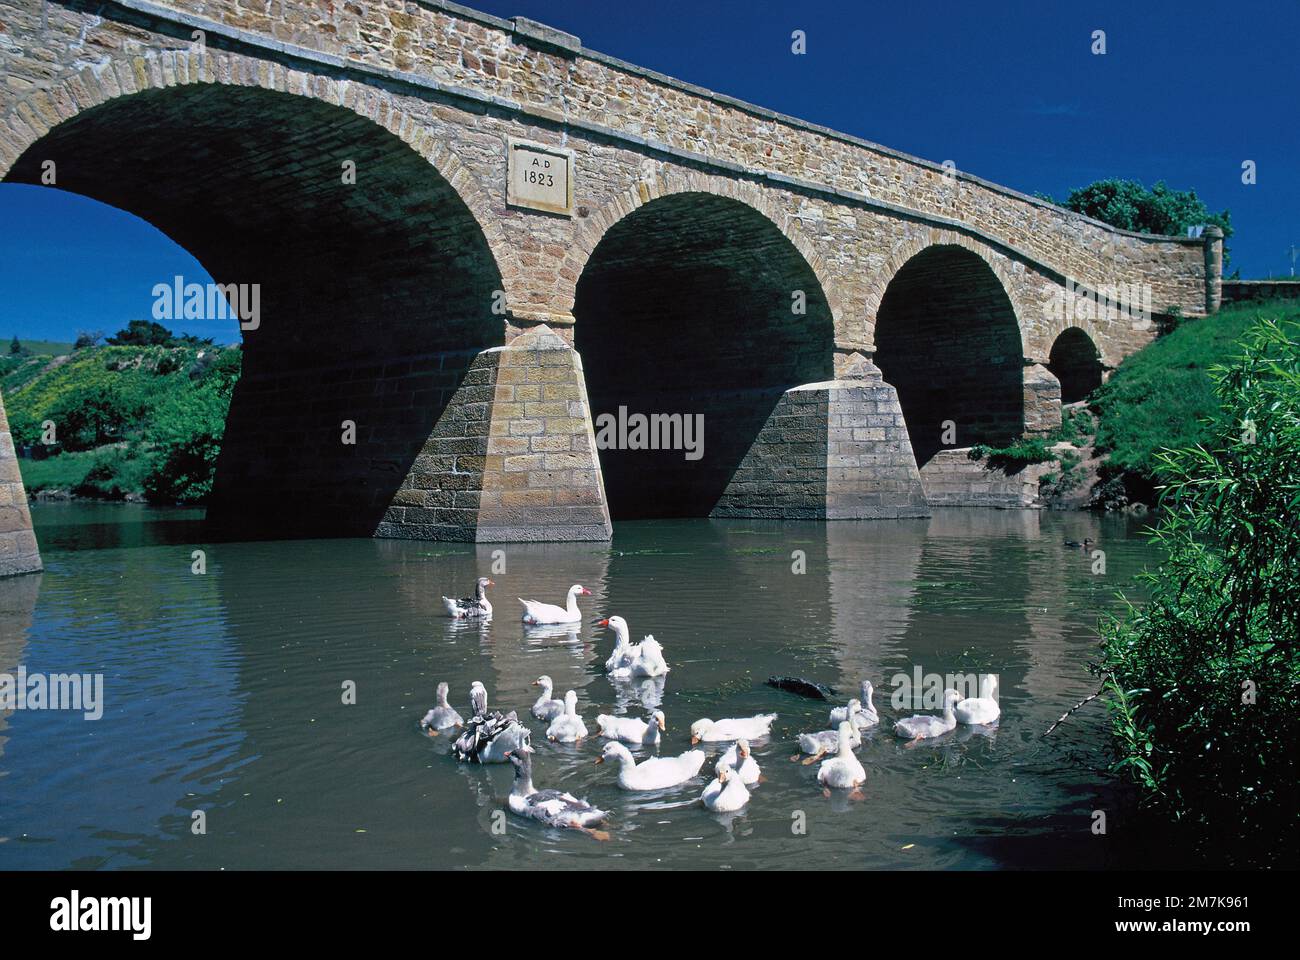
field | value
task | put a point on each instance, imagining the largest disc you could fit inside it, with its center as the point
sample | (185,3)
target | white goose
(648,662)
(546,708)
(923,726)
(620,660)
(843,771)
(552,807)
(441,716)
(742,728)
(726,793)
(568,727)
(536,612)
(826,741)
(984,709)
(470,608)
(633,730)
(739,759)
(861,713)
(655,773)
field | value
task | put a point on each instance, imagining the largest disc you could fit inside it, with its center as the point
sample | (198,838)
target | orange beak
(694,741)
(600,759)
(602,623)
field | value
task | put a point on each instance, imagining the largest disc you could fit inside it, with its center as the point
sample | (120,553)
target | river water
(224,692)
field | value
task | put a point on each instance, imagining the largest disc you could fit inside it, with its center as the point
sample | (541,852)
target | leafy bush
(1016,454)
(92,415)
(143,333)
(186,434)
(1204,683)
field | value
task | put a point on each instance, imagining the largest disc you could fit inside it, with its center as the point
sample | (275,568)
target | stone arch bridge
(473,238)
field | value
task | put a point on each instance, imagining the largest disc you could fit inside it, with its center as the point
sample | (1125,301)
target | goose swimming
(546,708)
(624,650)
(537,612)
(739,759)
(826,741)
(984,709)
(552,807)
(655,773)
(861,713)
(719,731)
(645,733)
(489,736)
(442,715)
(843,771)
(648,662)
(475,607)
(568,727)
(923,726)
(726,793)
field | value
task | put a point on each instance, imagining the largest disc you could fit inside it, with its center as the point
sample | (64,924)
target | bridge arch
(667,183)
(948,338)
(695,303)
(374,295)
(1076,362)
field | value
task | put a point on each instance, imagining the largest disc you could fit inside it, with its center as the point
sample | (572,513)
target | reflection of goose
(536,612)
(655,773)
(633,730)
(826,741)
(974,711)
(646,692)
(441,716)
(843,771)
(559,632)
(923,726)
(470,608)
(552,807)
(861,713)
(739,759)
(568,727)
(546,708)
(726,793)
(734,728)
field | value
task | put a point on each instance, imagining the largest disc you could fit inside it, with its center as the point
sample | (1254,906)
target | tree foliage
(1205,681)
(1129,205)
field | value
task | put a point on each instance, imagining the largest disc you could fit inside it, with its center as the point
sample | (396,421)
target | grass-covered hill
(1163,397)
(127,420)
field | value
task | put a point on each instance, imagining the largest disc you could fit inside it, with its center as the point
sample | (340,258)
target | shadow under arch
(688,305)
(374,295)
(947,338)
(1076,362)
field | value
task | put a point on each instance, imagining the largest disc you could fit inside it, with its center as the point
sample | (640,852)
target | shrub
(1204,682)
(186,434)
(90,415)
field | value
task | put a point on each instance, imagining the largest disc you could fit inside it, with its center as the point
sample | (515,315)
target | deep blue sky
(1009,91)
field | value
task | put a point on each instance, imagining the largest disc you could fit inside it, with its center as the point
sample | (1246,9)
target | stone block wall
(952,479)
(1042,401)
(18,550)
(513,456)
(541,478)
(836,450)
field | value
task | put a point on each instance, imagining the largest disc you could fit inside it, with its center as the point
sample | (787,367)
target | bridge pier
(513,456)
(18,550)
(835,450)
